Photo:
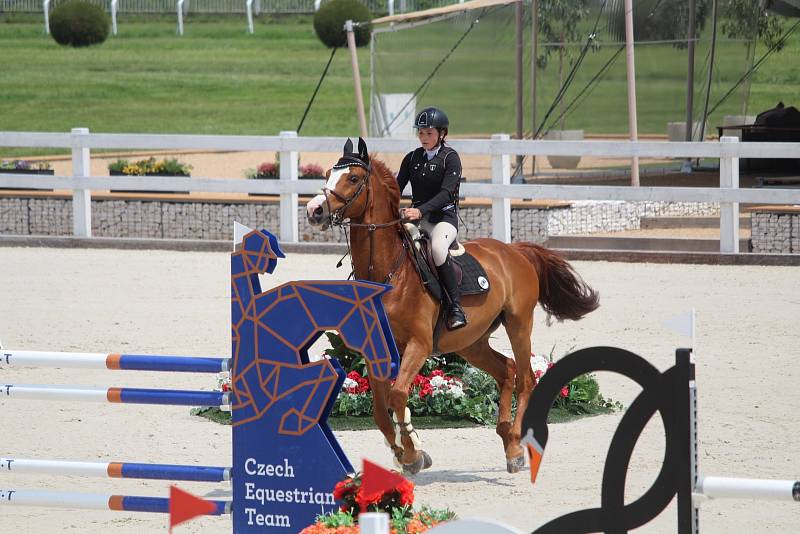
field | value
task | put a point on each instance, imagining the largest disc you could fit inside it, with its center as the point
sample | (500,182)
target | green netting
(476,84)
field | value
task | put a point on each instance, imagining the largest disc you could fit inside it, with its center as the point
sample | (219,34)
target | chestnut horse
(365,196)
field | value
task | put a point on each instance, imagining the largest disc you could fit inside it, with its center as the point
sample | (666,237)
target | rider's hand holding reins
(412,214)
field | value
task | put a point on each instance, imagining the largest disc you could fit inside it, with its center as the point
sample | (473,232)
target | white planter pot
(676,131)
(564,162)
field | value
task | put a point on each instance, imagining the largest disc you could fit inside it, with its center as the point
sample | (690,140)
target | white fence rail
(500,190)
(232,6)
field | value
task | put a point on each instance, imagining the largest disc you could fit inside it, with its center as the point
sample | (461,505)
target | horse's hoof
(427,460)
(516,464)
(423,461)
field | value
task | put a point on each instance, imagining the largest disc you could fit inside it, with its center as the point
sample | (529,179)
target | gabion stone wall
(589,216)
(181,219)
(775,233)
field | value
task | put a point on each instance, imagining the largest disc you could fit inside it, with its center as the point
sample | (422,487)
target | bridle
(337,218)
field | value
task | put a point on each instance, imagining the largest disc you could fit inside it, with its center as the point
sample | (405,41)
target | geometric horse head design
(283,447)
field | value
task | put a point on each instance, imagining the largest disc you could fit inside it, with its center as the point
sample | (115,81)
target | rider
(434,170)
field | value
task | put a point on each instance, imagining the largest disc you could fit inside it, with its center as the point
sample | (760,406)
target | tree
(559,23)
(749,21)
(659,20)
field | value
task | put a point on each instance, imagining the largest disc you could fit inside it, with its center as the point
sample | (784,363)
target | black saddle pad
(473,278)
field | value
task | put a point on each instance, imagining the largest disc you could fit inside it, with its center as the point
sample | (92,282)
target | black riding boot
(447,275)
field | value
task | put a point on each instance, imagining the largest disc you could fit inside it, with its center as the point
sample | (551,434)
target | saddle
(472,278)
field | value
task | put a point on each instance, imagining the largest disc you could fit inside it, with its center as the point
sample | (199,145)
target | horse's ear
(362,150)
(348,146)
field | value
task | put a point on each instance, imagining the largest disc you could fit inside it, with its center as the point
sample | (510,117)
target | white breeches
(442,236)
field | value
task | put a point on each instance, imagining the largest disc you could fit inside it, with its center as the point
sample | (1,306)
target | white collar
(432,153)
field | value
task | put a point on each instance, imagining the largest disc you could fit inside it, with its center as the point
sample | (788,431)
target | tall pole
(710,67)
(687,163)
(634,135)
(534,52)
(351,44)
(518,174)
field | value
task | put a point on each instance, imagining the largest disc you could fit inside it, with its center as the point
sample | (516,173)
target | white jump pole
(748,488)
(55,499)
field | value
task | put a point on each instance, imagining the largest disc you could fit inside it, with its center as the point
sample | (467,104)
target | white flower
(456,390)
(438,382)
(349,383)
(539,363)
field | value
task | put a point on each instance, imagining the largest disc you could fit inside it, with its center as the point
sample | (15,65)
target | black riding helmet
(431,118)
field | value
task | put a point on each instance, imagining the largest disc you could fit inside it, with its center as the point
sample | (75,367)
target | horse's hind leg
(518,327)
(503,370)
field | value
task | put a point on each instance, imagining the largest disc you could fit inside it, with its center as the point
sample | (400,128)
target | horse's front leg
(380,413)
(413,458)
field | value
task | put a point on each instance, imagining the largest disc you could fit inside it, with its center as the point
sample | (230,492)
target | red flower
(425,390)
(420,380)
(406,491)
(565,391)
(437,372)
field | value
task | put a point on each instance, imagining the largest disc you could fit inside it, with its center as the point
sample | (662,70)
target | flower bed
(447,389)
(149,167)
(22,166)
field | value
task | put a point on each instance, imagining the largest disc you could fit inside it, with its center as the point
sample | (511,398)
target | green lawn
(217,79)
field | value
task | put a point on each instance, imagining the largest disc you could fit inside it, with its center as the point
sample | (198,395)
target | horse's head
(343,195)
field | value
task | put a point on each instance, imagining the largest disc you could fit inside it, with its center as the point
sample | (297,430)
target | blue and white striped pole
(116,395)
(115,361)
(94,501)
(196,473)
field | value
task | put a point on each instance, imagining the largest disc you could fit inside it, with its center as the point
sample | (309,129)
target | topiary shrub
(79,23)
(330,18)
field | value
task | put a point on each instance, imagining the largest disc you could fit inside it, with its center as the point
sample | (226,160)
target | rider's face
(428,137)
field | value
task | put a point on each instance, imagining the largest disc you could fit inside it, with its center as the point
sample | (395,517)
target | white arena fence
(228,6)
(500,147)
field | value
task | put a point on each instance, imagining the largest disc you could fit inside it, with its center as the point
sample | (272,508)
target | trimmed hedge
(79,23)
(330,18)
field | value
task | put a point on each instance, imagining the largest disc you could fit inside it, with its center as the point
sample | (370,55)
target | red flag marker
(184,506)
(376,479)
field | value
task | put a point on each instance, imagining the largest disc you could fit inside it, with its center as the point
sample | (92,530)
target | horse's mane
(385,176)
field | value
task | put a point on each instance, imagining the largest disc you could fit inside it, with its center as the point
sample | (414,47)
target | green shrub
(79,23)
(330,18)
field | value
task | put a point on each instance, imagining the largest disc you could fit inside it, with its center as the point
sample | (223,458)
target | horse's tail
(562,292)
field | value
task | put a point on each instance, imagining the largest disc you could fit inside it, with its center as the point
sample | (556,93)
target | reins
(336,219)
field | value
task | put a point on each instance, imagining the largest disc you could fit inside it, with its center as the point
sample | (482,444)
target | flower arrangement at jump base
(149,167)
(397,500)
(448,391)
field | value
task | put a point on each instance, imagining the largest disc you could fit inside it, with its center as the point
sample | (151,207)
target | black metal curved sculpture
(666,393)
